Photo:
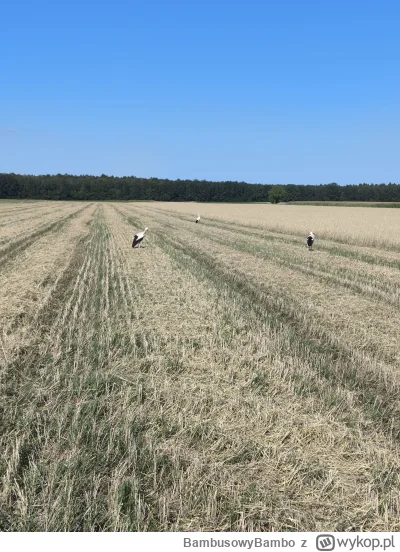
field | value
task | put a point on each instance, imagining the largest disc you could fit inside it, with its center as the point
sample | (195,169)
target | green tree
(276,194)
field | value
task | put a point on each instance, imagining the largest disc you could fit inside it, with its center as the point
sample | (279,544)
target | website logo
(325,542)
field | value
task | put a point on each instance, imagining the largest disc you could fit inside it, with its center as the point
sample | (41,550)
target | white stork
(198,219)
(310,240)
(138,238)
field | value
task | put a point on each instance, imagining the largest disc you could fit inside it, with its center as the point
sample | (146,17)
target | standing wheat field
(220,378)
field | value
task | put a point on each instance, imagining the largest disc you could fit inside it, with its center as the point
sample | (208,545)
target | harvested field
(222,377)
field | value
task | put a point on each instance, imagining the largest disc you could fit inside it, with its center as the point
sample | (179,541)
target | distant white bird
(310,240)
(138,238)
(198,219)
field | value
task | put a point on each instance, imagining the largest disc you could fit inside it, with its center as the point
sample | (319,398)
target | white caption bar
(176,542)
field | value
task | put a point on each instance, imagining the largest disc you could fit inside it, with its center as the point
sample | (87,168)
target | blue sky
(278,91)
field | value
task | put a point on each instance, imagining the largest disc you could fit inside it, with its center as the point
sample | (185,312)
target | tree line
(85,187)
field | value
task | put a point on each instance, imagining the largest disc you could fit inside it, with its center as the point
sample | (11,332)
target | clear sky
(271,91)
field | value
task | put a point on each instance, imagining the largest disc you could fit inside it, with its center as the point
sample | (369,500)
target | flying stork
(198,219)
(138,238)
(310,240)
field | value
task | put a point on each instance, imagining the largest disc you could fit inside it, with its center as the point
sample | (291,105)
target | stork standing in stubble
(310,241)
(138,238)
(198,219)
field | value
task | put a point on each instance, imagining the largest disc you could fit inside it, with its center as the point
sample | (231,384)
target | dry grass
(220,378)
(18,223)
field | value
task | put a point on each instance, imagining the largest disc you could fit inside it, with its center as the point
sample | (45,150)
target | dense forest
(68,187)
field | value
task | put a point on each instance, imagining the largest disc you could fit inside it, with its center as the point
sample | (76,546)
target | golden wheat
(358,225)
